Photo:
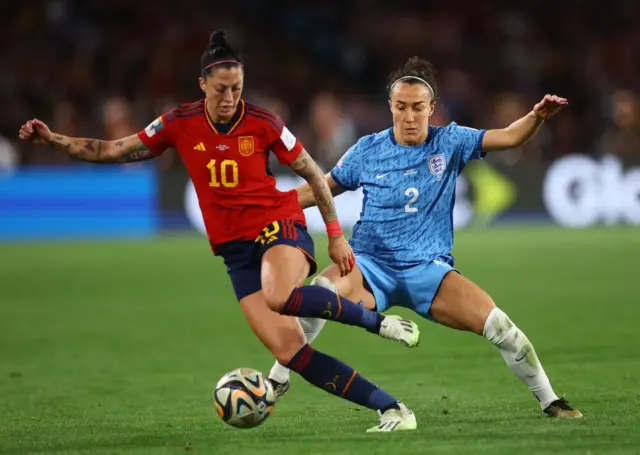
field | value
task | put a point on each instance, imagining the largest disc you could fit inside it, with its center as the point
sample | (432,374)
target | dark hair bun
(415,67)
(219,50)
(418,65)
(218,39)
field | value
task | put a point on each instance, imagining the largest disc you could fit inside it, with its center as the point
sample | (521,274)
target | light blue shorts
(412,287)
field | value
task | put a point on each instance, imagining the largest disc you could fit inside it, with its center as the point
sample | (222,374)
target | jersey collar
(237,118)
(429,136)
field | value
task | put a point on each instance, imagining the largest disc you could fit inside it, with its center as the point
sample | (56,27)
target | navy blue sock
(339,379)
(322,303)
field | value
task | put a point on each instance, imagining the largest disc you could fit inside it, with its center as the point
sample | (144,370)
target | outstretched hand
(549,106)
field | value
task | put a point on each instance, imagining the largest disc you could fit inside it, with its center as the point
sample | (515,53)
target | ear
(202,84)
(432,108)
(390,108)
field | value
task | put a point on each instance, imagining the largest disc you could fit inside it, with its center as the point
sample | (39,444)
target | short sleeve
(470,142)
(156,136)
(284,144)
(348,171)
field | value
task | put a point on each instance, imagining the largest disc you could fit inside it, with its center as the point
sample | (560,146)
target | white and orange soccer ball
(244,398)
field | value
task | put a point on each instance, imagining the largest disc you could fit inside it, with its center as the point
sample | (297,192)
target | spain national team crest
(246,145)
(437,165)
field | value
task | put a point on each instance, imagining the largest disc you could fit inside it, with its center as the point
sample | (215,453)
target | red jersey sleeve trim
(148,143)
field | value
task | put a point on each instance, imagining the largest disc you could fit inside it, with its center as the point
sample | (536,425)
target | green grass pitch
(114,348)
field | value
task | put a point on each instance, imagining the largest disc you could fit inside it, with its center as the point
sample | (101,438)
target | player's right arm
(345,176)
(126,150)
(305,193)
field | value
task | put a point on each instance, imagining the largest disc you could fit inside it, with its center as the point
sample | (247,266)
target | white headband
(415,78)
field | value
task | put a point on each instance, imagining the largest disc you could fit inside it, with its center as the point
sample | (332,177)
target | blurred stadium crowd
(106,68)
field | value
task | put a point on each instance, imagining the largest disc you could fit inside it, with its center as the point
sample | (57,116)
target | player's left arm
(307,199)
(339,249)
(291,152)
(309,170)
(524,128)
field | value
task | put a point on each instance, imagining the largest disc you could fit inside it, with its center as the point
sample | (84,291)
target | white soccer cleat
(403,330)
(280,388)
(402,419)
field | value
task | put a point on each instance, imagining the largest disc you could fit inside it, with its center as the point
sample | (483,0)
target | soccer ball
(244,398)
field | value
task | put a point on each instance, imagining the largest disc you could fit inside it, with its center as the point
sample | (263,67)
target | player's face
(223,89)
(411,106)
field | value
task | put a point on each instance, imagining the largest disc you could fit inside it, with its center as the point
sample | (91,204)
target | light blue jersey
(407,211)
(404,237)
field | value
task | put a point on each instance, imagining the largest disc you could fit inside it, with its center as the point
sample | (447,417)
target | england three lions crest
(437,165)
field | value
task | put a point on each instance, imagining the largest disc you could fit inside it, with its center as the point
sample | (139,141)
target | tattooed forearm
(127,150)
(306,168)
(93,146)
(137,155)
(84,149)
(61,142)
(137,152)
(140,154)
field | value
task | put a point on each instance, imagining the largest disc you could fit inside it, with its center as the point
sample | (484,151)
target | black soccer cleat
(561,409)
(281,388)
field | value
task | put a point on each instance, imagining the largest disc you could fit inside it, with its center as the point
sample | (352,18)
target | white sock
(519,354)
(311,328)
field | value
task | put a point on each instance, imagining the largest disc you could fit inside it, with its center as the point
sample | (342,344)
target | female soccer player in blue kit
(404,238)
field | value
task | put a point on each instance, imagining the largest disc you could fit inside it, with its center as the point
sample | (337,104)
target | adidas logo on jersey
(200,147)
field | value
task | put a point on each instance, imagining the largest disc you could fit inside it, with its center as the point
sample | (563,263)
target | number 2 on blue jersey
(412,193)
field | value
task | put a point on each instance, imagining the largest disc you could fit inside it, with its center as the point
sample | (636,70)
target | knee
(497,326)
(289,343)
(500,330)
(461,304)
(483,311)
(480,309)
(276,298)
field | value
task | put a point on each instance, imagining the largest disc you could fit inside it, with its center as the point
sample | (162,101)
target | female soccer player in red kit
(259,231)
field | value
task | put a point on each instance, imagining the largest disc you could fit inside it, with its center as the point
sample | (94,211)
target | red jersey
(237,197)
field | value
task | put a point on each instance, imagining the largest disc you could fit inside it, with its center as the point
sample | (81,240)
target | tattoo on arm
(84,149)
(141,154)
(92,149)
(60,143)
(306,168)
(95,150)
